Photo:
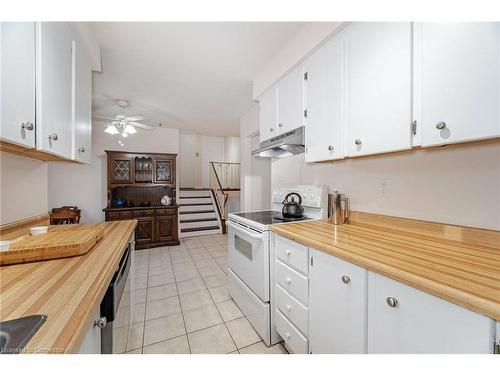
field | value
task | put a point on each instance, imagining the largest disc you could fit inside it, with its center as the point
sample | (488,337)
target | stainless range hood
(282,146)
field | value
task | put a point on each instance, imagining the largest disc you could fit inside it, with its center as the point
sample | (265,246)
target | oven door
(248,257)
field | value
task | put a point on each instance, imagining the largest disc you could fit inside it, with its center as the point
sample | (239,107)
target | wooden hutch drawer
(138,213)
(166,211)
(119,214)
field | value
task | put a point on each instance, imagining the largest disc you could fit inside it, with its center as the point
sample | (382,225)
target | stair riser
(198,224)
(193,193)
(202,233)
(204,207)
(186,216)
(195,200)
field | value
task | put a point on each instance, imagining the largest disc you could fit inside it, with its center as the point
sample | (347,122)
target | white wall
(232,149)
(85,185)
(255,173)
(455,184)
(211,149)
(23,186)
(187,160)
(300,45)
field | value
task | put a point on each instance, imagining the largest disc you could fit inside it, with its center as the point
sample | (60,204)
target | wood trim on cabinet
(31,152)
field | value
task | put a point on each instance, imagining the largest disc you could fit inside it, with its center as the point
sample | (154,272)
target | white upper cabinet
(290,91)
(54,88)
(324,93)
(402,319)
(268,114)
(338,305)
(18,83)
(378,87)
(460,81)
(82,106)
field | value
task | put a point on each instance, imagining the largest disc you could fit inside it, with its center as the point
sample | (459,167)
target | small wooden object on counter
(458,264)
(69,242)
(141,180)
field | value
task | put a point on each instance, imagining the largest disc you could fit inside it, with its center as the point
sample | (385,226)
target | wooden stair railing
(224,177)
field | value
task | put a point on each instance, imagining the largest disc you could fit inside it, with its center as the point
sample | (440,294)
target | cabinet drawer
(293,282)
(292,253)
(139,213)
(297,313)
(120,215)
(165,211)
(294,339)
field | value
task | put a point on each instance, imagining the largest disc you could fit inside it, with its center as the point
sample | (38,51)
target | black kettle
(291,208)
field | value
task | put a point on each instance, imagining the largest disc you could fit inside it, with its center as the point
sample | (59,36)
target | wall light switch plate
(384,187)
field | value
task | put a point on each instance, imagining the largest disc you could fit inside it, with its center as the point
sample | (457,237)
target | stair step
(187,230)
(194,193)
(190,208)
(195,200)
(199,233)
(197,215)
(200,224)
(197,220)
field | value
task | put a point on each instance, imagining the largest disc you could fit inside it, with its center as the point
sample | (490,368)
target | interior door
(324,90)
(187,160)
(460,81)
(378,83)
(18,82)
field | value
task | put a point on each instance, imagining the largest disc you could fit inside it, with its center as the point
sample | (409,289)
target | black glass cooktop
(268,217)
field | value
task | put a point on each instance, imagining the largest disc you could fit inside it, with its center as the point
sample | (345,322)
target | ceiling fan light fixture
(129,129)
(124,135)
(111,129)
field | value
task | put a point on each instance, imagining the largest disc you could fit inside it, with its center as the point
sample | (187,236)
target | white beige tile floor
(182,303)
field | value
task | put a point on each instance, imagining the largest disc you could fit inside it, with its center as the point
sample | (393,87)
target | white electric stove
(250,252)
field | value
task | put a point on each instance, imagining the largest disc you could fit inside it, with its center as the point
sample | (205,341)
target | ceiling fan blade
(142,126)
(100,117)
(136,118)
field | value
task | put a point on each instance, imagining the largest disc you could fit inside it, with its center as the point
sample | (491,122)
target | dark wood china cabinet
(137,182)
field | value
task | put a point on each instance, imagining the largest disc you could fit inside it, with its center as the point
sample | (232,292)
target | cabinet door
(144,232)
(91,343)
(17,124)
(164,171)
(82,106)
(337,305)
(460,82)
(378,79)
(121,170)
(291,101)
(166,228)
(421,323)
(54,78)
(268,114)
(324,90)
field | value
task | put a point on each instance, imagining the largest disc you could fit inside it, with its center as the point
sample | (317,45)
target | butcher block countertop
(458,264)
(67,290)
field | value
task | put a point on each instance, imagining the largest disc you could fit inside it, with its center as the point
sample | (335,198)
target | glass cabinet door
(164,171)
(121,171)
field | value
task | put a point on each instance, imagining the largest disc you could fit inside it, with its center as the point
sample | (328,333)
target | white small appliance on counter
(250,275)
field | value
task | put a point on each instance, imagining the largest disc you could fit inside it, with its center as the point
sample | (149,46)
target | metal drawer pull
(81,149)
(288,252)
(53,137)
(289,308)
(280,125)
(288,280)
(346,279)
(392,302)
(330,148)
(27,125)
(287,335)
(101,322)
(441,125)
(357,142)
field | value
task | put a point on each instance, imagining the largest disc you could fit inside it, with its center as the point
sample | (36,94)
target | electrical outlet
(384,187)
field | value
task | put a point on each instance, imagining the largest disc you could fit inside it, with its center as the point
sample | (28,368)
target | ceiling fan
(122,124)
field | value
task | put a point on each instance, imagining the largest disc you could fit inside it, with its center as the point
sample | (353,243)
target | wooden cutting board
(58,242)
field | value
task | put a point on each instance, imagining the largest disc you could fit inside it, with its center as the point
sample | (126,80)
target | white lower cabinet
(338,305)
(91,343)
(402,319)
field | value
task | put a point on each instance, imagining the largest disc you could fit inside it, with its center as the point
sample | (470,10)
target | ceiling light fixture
(111,129)
(124,135)
(129,129)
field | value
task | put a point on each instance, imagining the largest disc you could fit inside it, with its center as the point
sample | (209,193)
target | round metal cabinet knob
(288,308)
(288,252)
(27,125)
(81,149)
(392,302)
(441,125)
(101,322)
(287,335)
(271,129)
(330,148)
(280,124)
(346,279)
(288,280)
(357,142)
(53,137)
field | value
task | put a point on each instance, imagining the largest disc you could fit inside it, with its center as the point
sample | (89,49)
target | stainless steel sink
(15,334)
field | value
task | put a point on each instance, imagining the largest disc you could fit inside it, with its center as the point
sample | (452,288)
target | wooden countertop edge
(449,293)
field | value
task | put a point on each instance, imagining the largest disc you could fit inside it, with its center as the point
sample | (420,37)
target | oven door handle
(247,233)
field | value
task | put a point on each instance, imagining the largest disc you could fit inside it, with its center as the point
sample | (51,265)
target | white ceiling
(191,76)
